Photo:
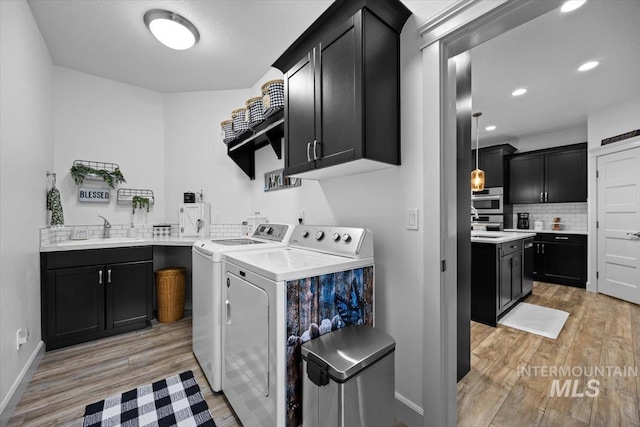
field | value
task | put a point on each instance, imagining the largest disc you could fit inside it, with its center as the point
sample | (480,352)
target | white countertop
(117,242)
(549,231)
(497,237)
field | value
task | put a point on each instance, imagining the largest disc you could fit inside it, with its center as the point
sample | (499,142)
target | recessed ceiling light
(519,92)
(490,128)
(571,5)
(171,29)
(588,66)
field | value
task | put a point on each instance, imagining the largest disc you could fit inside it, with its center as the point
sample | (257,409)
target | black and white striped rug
(175,401)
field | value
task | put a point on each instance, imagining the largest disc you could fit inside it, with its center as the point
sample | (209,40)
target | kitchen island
(497,273)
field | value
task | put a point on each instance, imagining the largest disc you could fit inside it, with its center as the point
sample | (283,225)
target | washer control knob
(335,237)
(304,234)
(346,238)
(319,235)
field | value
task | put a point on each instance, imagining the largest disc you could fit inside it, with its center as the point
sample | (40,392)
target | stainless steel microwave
(489,201)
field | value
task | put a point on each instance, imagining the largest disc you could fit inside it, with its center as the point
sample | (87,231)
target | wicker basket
(240,121)
(254,108)
(272,97)
(170,286)
(227,131)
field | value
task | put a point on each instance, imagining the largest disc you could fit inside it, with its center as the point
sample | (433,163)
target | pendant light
(477,175)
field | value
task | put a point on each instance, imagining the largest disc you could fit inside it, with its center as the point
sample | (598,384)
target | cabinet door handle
(99,277)
(542,197)
(109,276)
(308,156)
(543,248)
(315,144)
(546,196)
(562,238)
(537,248)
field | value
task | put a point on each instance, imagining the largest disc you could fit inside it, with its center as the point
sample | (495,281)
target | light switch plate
(412,219)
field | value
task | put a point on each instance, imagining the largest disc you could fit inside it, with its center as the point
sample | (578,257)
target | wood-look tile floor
(600,332)
(69,379)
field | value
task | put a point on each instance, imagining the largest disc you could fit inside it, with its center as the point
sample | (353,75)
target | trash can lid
(349,350)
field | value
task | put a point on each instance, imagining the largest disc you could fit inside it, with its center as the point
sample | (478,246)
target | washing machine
(207,291)
(274,300)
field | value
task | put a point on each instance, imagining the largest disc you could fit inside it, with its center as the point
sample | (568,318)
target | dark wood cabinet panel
(549,176)
(561,258)
(129,295)
(78,297)
(342,93)
(566,176)
(526,178)
(492,161)
(88,301)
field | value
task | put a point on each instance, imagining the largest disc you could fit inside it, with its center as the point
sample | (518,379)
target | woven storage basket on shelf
(272,97)
(254,108)
(240,121)
(170,287)
(227,131)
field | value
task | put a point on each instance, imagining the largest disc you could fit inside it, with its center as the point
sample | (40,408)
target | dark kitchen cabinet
(95,293)
(561,259)
(496,280)
(342,98)
(549,176)
(492,161)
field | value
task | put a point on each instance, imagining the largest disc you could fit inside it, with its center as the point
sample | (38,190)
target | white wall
(556,138)
(618,119)
(196,158)
(102,120)
(26,153)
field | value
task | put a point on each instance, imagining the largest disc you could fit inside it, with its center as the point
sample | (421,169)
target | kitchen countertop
(549,231)
(117,242)
(497,237)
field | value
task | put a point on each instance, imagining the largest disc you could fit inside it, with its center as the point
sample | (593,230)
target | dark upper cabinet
(492,161)
(342,98)
(549,176)
(95,293)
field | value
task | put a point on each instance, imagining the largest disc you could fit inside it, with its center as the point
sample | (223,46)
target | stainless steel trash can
(349,379)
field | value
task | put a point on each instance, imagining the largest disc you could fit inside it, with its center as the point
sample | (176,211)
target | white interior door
(619,225)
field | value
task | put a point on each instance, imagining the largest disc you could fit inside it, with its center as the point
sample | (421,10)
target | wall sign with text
(94,195)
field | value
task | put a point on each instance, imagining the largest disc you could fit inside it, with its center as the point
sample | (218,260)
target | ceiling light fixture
(490,128)
(477,175)
(572,5)
(171,29)
(588,66)
(519,92)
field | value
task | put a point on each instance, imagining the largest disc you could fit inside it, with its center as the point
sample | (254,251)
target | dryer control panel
(275,232)
(345,241)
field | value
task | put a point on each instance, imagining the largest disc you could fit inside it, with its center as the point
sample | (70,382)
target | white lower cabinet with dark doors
(95,293)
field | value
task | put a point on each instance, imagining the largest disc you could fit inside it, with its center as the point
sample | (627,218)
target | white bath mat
(536,319)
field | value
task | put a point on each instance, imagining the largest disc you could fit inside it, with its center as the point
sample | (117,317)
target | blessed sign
(99,195)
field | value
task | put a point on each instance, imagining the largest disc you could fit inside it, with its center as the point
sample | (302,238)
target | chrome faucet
(474,212)
(106,233)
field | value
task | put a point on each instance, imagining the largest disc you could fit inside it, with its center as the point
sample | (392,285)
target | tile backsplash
(54,235)
(573,216)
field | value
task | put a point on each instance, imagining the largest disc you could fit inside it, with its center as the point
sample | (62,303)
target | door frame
(594,153)
(464,25)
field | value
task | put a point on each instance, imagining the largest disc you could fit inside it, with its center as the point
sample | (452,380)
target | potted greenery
(139,202)
(79,172)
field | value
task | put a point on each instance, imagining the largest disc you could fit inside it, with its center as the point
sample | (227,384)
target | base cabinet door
(561,258)
(128,296)
(510,279)
(78,303)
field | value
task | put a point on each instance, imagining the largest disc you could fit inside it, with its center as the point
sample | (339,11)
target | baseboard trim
(18,388)
(407,411)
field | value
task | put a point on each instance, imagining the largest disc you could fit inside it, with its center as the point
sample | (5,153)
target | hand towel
(55,206)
